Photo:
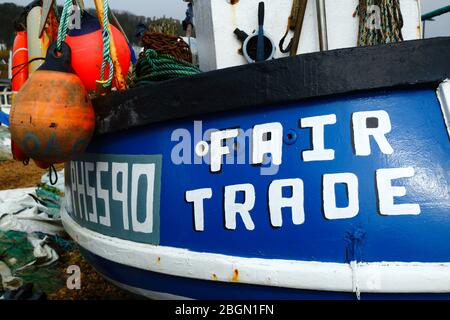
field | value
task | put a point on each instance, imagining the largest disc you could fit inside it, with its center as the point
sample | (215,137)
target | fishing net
(18,254)
(380,21)
(27,255)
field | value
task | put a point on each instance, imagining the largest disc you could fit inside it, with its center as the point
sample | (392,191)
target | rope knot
(151,54)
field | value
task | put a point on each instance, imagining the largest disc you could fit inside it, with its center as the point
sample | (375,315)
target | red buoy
(17,153)
(20,75)
(87,51)
(41,164)
(19,60)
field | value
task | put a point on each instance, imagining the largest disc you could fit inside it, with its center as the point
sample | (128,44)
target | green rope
(152,66)
(106,48)
(63,23)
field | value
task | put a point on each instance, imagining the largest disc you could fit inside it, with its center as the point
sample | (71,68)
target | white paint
(5,101)
(138,171)
(362,134)
(73,175)
(355,279)
(392,277)
(215,21)
(90,191)
(330,208)
(10,62)
(122,196)
(295,202)
(202,148)
(387,192)
(232,208)
(317,125)
(36,47)
(197,197)
(443,94)
(273,146)
(103,193)
(217,148)
(81,190)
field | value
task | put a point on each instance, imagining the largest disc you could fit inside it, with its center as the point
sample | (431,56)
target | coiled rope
(153,66)
(380,21)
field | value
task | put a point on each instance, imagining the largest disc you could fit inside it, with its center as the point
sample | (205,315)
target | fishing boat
(323,175)
(5,95)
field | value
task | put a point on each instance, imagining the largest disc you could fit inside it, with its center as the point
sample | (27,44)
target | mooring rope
(62,33)
(106,48)
(63,23)
(380,21)
(292,21)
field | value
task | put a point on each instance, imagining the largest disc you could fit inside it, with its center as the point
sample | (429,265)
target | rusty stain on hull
(235,275)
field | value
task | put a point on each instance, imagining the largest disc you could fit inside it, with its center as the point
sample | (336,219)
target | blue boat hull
(412,231)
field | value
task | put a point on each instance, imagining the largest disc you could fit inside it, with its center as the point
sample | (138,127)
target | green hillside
(9,12)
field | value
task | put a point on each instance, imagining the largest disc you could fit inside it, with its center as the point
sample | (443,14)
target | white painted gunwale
(374,277)
(443,94)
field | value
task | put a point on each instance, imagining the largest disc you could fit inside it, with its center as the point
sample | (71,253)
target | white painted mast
(216,20)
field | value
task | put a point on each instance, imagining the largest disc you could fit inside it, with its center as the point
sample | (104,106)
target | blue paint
(89,24)
(4,118)
(354,240)
(25,143)
(419,139)
(290,137)
(215,290)
(132,54)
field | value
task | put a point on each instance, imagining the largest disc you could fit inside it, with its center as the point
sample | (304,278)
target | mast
(322,25)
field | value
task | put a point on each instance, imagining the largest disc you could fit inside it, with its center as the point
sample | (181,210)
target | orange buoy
(20,75)
(87,51)
(53,118)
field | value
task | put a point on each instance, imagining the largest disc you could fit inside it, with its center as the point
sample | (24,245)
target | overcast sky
(441,25)
(177,8)
(148,8)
